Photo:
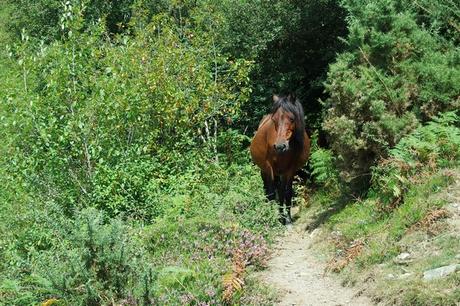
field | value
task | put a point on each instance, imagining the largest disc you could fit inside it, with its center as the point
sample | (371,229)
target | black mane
(291,104)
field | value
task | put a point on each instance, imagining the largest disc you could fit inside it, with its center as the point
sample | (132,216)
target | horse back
(259,144)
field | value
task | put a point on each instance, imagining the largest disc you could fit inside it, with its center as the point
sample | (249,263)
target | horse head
(287,115)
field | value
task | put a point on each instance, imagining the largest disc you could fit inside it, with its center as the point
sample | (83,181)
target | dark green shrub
(395,74)
(291,43)
(84,262)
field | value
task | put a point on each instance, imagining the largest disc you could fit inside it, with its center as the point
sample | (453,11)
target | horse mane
(291,104)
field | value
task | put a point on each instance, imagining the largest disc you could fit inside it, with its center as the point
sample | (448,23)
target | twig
(75,178)
(377,74)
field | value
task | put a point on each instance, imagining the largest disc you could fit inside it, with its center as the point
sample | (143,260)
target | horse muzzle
(281,147)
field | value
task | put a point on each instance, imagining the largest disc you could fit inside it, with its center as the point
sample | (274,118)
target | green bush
(105,133)
(323,164)
(394,74)
(40,18)
(428,148)
(89,257)
(81,262)
(100,109)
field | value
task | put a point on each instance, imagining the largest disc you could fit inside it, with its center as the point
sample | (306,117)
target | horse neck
(264,120)
(297,140)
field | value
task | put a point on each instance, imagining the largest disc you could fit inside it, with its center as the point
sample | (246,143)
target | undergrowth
(402,212)
(90,258)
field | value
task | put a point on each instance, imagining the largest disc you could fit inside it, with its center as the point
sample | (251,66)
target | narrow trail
(299,276)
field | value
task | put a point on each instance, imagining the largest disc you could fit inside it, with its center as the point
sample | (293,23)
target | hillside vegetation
(124,172)
(411,210)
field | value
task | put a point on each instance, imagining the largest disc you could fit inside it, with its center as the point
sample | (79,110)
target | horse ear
(292,97)
(276,98)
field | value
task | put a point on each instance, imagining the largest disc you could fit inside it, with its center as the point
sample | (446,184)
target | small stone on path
(403,258)
(440,272)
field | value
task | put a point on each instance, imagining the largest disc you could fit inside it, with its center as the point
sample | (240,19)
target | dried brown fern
(338,263)
(234,280)
(429,221)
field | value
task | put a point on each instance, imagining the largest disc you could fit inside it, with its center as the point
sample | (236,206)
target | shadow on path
(323,216)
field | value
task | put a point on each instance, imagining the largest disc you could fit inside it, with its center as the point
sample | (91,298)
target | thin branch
(377,74)
(215,140)
(75,178)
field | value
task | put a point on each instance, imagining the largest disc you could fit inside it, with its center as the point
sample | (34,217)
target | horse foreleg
(288,197)
(281,187)
(269,186)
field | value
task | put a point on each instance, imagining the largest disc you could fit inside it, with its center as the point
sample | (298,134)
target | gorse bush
(395,74)
(439,16)
(103,263)
(82,262)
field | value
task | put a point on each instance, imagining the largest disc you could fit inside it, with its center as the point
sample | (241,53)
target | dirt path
(299,276)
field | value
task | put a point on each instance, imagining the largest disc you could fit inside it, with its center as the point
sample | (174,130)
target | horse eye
(291,119)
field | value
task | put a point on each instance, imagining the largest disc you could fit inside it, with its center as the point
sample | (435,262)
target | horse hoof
(285,220)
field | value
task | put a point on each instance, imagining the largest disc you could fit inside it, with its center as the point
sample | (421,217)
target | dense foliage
(436,145)
(135,126)
(124,173)
(397,71)
(406,211)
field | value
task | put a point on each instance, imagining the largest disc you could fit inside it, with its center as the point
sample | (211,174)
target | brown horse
(280,147)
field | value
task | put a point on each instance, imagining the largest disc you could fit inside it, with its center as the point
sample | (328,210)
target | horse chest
(281,163)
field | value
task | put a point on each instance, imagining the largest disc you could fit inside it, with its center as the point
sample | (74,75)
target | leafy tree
(291,43)
(40,18)
(156,98)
